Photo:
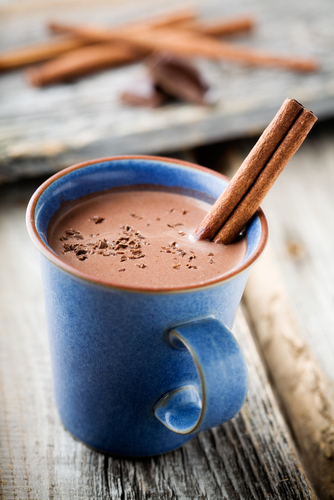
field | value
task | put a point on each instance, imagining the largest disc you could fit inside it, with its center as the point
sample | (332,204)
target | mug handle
(223,375)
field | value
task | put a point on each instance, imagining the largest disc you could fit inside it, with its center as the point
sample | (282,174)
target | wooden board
(251,457)
(44,130)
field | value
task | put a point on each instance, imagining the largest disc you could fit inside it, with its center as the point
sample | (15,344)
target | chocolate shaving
(103,244)
(127,245)
(97,219)
(71,233)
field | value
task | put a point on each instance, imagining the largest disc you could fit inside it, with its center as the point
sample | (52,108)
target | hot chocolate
(142,238)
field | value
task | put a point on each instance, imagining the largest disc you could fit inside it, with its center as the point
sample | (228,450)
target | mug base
(121,454)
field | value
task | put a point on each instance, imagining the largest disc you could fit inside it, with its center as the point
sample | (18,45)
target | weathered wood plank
(44,130)
(303,237)
(300,382)
(251,457)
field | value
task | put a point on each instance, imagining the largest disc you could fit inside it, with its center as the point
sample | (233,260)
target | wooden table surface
(254,455)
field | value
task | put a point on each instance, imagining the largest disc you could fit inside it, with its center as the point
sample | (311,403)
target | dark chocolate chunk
(97,219)
(103,244)
(144,93)
(178,78)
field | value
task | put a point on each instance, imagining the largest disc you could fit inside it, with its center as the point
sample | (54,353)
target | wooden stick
(82,62)
(23,56)
(249,170)
(302,386)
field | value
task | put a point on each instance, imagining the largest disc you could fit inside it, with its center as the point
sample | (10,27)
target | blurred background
(43,129)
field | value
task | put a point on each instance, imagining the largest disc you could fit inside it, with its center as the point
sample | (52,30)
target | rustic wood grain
(303,387)
(45,130)
(251,457)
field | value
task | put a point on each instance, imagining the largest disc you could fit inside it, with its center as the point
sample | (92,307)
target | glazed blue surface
(113,359)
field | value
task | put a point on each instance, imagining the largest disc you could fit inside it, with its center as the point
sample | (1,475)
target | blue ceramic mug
(138,371)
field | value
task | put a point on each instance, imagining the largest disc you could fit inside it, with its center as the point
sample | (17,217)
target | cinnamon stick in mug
(243,195)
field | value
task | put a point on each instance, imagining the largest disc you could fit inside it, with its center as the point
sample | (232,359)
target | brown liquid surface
(141,238)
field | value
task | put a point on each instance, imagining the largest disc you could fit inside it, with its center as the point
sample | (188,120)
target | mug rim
(42,247)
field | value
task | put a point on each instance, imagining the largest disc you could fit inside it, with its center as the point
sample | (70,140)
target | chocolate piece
(144,93)
(178,78)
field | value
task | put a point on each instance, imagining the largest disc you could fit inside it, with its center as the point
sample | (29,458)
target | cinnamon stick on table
(22,56)
(83,61)
(42,51)
(220,27)
(184,20)
(243,195)
(186,43)
(105,34)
